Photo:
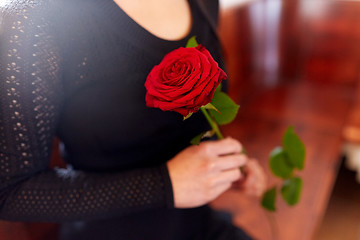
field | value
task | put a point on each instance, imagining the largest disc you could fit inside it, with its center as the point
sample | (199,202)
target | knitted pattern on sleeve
(31,98)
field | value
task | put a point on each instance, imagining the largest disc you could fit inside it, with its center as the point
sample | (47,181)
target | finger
(230,161)
(255,182)
(260,188)
(220,189)
(227,176)
(251,177)
(225,146)
(259,173)
(256,190)
(252,189)
(250,181)
(254,168)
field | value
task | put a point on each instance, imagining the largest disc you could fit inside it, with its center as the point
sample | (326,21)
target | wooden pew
(313,88)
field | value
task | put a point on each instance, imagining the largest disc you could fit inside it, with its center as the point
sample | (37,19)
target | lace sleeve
(30,100)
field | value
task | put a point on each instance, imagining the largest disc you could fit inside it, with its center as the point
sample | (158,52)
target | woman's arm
(30,101)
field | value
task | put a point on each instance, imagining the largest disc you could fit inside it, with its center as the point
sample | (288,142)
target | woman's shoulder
(28,17)
(9,8)
(42,10)
(23,15)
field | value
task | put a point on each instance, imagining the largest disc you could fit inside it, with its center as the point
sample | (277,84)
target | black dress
(76,70)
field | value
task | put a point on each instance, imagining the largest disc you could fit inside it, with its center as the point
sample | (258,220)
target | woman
(76,70)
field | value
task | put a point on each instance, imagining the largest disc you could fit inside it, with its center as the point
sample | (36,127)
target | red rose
(184,81)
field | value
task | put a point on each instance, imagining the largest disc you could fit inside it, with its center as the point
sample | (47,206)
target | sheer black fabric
(32,97)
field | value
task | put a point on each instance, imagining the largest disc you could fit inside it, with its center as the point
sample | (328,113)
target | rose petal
(185,80)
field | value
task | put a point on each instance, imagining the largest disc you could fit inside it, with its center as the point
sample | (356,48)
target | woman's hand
(254,181)
(201,173)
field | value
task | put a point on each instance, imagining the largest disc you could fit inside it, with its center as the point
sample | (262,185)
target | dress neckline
(146,34)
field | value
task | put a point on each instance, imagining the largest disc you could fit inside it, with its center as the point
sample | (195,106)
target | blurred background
(290,62)
(297,62)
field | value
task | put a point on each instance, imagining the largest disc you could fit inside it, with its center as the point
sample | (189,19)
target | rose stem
(216,129)
(212,123)
(274,227)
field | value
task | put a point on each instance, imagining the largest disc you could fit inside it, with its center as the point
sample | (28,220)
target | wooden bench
(313,88)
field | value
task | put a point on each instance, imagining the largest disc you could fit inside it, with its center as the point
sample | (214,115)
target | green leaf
(279,163)
(227,107)
(291,190)
(187,116)
(196,140)
(210,106)
(269,199)
(294,148)
(192,42)
(219,87)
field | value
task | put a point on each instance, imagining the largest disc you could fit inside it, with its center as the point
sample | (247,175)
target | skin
(254,182)
(166,19)
(199,174)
